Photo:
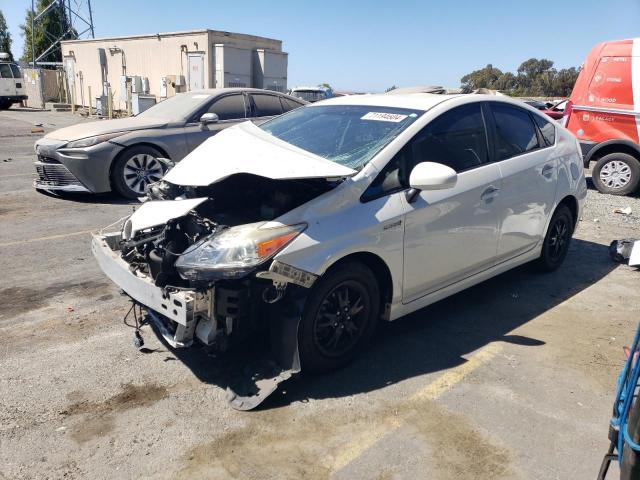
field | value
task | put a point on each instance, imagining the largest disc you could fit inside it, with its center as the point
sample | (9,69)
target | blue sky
(371,45)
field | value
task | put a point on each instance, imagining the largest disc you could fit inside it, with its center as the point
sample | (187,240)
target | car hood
(245,148)
(101,127)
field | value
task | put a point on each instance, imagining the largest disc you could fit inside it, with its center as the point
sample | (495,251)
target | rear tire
(616,174)
(339,317)
(135,169)
(4,105)
(557,240)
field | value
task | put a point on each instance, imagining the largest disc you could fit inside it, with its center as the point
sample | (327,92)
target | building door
(70,72)
(196,71)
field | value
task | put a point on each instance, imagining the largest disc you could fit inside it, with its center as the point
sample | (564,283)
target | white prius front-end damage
(198,255)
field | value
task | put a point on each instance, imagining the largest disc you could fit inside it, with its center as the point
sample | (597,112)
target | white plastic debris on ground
(634,258)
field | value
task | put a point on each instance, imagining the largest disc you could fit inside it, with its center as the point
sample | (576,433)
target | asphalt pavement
(512,379)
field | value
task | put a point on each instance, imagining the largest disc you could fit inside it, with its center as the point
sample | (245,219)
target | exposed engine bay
(238,200)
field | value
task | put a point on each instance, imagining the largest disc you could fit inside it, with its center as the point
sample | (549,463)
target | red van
(603,112)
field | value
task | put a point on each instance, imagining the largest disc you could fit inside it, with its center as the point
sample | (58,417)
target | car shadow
(432,339)
(108,198)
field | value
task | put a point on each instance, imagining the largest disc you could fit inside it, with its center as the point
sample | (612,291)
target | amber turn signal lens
(269,247)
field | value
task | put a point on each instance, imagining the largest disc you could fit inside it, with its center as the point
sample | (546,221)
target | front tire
(135,169)
(339,317)
(557,240)
(617,174)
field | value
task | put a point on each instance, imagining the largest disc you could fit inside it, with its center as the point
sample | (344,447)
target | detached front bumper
(174,313)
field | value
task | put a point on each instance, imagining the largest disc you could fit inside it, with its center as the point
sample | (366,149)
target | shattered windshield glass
(346,134)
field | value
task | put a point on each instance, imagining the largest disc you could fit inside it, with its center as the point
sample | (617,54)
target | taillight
(567,113)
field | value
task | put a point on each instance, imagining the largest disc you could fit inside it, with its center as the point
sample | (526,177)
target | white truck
(11,83)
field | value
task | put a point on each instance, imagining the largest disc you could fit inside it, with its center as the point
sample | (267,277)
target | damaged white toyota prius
(316,225)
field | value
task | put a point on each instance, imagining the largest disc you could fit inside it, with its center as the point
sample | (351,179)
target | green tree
(5,37)
(564,81)
(506,82)
(484,78)
(392,87)
(534,77)
(48,28)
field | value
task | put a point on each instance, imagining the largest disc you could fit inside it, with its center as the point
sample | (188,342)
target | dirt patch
(99,417)
(276,444)
(19,300)
(131,396)
(459,449)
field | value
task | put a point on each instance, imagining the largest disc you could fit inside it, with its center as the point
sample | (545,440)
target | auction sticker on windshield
(383,117)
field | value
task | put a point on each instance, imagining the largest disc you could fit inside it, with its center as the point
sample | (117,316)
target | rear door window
(230,107)
(547,129)
(515,132)
(266,105)
(5,71)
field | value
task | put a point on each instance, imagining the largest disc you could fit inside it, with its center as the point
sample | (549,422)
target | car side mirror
(432,176)
(208,118)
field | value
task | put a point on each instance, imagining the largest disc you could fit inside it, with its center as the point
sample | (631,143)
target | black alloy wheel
(557,241)
(340,321)
(339,318)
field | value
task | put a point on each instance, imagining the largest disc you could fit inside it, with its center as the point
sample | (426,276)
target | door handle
(547,170)
(489,192)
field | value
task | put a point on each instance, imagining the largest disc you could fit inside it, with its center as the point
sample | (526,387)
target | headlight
(91,141)
(234,252)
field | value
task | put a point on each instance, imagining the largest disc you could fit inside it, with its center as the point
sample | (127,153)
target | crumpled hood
(245,148)
(101,127)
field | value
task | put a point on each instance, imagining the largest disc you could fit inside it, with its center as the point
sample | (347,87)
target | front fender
(375,227)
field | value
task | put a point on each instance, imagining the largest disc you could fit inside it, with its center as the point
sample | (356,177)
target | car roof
(219,91)
(419,101)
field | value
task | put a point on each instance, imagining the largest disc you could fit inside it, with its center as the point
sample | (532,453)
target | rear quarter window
(547,129)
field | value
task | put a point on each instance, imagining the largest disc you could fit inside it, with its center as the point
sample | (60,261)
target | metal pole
(90,101)
(33,44)
(91,18)
(70,18)
(41,82)
(109,103)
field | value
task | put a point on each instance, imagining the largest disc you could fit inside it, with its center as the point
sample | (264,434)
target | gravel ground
(600,208)
(511,379)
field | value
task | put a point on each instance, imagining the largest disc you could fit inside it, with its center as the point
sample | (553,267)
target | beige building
(166,63)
